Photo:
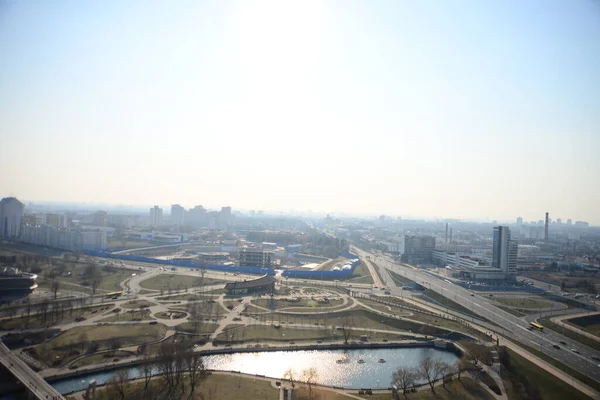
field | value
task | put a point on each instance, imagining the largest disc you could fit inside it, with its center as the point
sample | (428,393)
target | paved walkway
(559,321)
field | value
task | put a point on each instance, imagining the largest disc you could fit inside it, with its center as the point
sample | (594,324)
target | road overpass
(507,324)
(34,383)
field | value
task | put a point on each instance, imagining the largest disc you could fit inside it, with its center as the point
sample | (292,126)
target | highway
(32,381)
(512,327)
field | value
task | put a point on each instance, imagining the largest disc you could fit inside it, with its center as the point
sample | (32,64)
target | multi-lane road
(510,326)
(35,384)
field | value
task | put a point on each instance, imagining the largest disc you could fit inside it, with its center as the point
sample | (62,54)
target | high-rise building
(417,249)
(177,213)
(11,218)
(559,221)
(226,219)
(547,221)
(197,217)
(100,218)
(446,237)
(569,222)
(519,223)
(155,216)
(504,251)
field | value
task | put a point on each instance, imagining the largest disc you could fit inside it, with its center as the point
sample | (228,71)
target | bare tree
(195,368)
(95,283)
(405,378)
(54,287)
(346,327)
(83,337)
(432,370)
(44,310)
(290,375)
(145,370)
(119,382)
(310,376)
(462,364)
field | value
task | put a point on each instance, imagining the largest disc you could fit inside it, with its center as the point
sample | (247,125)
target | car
(196,345)
(595,358)
(319,341)
(472,294)
(575,351)
(292,342)
(556,346)
(562,342)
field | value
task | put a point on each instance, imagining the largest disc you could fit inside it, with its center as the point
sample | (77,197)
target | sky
(452,109)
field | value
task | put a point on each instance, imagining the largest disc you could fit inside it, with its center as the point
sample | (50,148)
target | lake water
(349,374)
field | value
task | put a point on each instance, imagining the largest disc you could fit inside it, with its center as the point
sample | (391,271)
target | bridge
(35,384)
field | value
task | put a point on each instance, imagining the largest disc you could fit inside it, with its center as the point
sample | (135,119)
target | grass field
(361,274)
(275,304)
(171,281)
(522,377)
(205,327)
(465,389)
(35,321)
(137,304)
(524,302)
(102,358)
(132,315)
(589,323)
(68,345)
(213,387)
(384,308)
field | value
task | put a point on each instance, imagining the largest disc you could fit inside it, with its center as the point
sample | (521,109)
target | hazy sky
(465,109)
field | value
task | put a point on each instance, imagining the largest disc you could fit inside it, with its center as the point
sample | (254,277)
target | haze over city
(447,109)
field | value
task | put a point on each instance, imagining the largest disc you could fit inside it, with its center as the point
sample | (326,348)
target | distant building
(569,222)
(155,216)
(265,283)
(417,249)
(582,224)
(11,218)
(250,257)
(100,218)
(504,251)
(213,257)
(63,238)
(177,215)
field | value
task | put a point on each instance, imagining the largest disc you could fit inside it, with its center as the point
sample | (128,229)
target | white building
(177,213)
(66,239)
(504,251)
(155,216)
(11,218)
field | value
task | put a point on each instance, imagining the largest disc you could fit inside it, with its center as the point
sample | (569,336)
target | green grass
(172,281)
(512,311)
(448,303)
(67,346)
(524,302)
(522,377)
(44,283)
(546,322)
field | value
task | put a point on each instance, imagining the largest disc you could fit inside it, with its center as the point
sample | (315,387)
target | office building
(155,216)
(177,213)
(11,218)
(251,257)
(504,251)
(569,222)
(265,283)
(417,249)
(519,223)
(100,218)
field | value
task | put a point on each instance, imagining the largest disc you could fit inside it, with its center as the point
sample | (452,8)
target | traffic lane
(578,360)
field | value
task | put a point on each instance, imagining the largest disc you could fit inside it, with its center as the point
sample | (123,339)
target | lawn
(204,327)
(465,389)
(177,282)
(131,315)
(361,274)
(275,304)
(66,316)
(523,378)
(213,387)
(588,323)
(524,302)
(71,344)
(385,308)
(100,358)
(137,304)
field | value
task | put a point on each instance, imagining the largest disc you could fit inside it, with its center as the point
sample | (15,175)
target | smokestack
(446,240)
(546,229)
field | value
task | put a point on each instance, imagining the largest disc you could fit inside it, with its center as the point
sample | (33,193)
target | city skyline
(470,111)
